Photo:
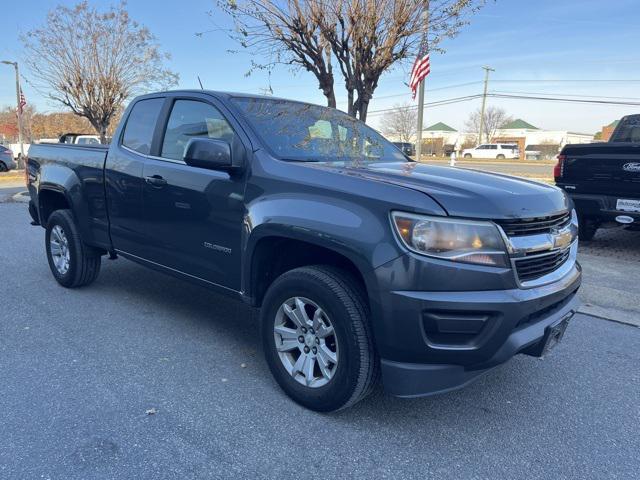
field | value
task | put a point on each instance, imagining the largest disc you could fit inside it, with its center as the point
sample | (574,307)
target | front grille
(531,268)
(534,226)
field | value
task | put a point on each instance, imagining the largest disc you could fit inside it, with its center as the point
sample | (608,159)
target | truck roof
(226,95)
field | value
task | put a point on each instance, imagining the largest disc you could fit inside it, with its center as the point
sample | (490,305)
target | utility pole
(18,109)
(484,101)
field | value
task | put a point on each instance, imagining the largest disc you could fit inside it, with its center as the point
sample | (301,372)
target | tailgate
(607,168)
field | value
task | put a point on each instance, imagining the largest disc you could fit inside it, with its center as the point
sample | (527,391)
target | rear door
(123,176)
(194,216)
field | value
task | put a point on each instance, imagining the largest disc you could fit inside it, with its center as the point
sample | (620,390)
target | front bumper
(442,340)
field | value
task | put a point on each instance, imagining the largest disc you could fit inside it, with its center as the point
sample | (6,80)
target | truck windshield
(302,132)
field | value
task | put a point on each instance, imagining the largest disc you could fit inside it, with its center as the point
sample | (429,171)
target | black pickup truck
(362,262)
(603,179)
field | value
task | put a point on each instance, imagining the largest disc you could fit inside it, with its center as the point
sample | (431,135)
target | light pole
(19,108)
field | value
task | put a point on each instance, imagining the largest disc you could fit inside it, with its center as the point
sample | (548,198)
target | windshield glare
(299,131)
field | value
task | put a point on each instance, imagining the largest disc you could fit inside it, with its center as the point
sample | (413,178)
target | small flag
(421,67)
(22,103)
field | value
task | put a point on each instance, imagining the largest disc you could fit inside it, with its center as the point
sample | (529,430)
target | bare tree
(92,61)
(285,32)
(364,38)
(400,123)
(494,118)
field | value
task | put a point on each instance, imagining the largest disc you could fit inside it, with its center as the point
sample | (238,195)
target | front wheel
(316,338)
(72,263)
(467,155)
(3,167)
(500,156)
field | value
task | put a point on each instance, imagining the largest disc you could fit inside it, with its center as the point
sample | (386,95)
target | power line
(568,95)
(566,80)
(566,100)
(447,101)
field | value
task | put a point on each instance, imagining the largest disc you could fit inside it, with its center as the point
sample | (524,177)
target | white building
(533,141)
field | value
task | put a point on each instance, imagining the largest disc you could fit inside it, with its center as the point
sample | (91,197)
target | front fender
(349,229)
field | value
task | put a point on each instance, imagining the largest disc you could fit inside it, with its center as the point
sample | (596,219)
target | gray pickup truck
(362,263)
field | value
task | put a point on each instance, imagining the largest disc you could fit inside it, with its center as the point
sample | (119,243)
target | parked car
(361,262)
(7,161)
(603,179)
(80,139)
(492,150)
(408,149)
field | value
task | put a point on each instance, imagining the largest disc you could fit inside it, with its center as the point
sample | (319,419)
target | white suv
(492,150)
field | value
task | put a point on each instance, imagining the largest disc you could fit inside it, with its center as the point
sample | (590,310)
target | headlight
(451,239)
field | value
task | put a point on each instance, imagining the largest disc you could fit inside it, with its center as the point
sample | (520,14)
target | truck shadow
(217,320)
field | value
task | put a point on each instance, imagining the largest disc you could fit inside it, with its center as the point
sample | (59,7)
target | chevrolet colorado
(603,179)
(363,263)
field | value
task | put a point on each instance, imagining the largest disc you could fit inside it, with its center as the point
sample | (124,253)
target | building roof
(518,124)
(440,127)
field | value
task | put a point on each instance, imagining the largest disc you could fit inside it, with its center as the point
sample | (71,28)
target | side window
(188,119)
(138,132)
(493,147)
(482,147)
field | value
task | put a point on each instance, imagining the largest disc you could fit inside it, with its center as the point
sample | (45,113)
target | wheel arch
(274,254)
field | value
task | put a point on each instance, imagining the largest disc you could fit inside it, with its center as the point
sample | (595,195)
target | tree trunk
(102,133)
(363,107)
(350,106)
(331,97)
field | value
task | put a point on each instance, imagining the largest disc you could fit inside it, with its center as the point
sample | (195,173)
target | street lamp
(19,109)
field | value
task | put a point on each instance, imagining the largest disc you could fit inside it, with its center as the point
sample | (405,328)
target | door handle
(155,181)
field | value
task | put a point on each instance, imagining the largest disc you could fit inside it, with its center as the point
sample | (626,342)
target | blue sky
(571,47)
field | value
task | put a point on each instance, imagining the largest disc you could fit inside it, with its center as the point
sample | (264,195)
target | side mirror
(208,153)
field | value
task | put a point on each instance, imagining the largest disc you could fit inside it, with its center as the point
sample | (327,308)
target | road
(79,369)
(529,169)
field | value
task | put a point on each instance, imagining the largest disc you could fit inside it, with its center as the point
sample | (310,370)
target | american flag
(421,67)
(22,103)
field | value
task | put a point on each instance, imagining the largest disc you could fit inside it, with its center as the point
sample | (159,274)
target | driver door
(193,215)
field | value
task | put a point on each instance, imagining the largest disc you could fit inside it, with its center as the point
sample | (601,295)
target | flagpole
(420,115)
(425,25)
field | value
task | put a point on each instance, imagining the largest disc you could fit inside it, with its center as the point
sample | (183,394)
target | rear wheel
(3,167)
(500,156)
(72,263)
(467,155)
(316,338)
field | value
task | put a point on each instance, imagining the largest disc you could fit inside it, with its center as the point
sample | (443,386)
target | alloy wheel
(306,342)
(59,247)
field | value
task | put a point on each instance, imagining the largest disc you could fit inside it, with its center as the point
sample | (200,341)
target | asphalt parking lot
(80,371)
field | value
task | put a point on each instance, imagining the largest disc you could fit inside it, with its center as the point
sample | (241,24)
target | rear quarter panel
(77,173)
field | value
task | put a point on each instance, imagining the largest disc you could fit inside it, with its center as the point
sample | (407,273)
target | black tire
(500,156)
(84,261)
(587,229)
(341,298)
(3,167)
(467,155)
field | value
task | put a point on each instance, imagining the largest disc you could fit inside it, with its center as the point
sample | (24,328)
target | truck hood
(462,192)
